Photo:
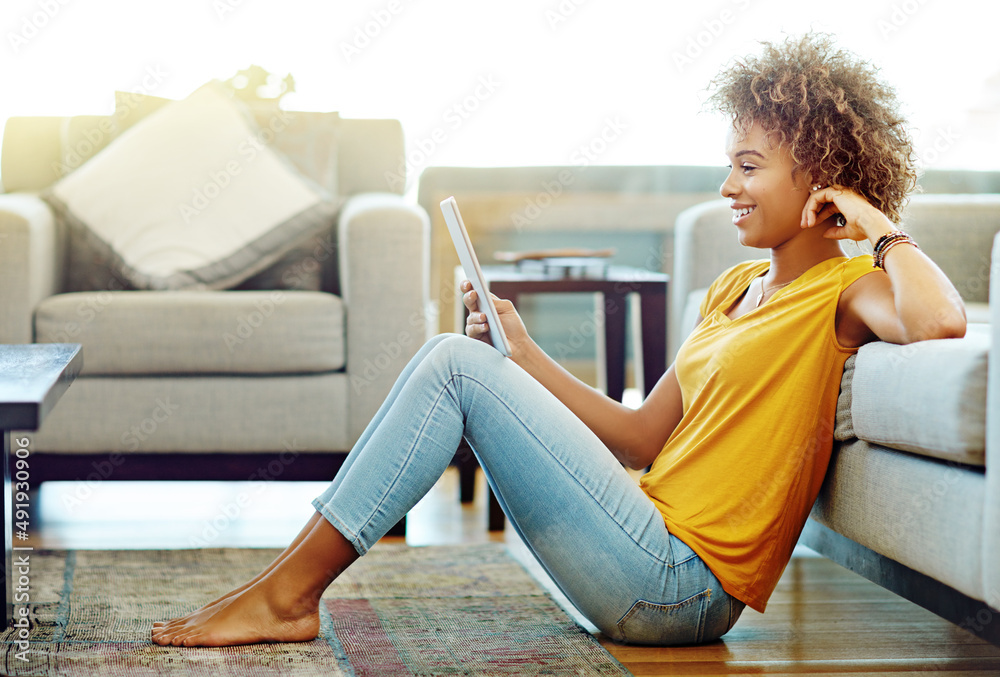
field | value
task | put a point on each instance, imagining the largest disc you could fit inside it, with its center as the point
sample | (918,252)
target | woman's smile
(741,212)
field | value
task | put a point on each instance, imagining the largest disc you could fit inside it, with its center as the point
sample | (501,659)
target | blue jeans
(582,515)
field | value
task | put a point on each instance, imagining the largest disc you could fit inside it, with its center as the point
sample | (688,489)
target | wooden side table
(616,285)
(32,379)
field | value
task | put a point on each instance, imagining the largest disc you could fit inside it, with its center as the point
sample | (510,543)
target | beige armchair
(274,379)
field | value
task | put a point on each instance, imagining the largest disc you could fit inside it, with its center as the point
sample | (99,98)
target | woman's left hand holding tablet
(477,327)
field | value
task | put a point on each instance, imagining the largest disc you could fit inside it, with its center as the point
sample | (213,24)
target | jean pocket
(666,624)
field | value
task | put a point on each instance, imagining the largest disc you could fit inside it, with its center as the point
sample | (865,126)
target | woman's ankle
(291,596)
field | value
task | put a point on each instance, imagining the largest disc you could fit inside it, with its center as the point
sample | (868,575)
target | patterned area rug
(448,610)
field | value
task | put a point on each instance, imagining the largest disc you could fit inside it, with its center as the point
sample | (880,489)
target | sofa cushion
(190,197)
(210,332)
(294,413)
(927,397)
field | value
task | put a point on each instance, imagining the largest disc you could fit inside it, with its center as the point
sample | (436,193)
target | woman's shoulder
(839,272)
(856,267)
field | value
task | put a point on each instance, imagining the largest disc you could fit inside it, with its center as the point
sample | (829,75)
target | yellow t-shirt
(738,476)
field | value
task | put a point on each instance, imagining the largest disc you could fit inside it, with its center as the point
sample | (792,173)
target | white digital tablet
(467,257)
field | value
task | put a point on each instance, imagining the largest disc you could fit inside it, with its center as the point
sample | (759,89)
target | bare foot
(252,616)
(201,611)
(279,605)
(173,622)
(294,544)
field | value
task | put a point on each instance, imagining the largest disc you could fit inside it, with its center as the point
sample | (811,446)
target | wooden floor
(822,619)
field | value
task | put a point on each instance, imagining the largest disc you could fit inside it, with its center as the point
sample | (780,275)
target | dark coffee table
(32,379)
(616,283)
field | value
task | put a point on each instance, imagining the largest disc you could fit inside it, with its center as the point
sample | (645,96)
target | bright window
(520,82)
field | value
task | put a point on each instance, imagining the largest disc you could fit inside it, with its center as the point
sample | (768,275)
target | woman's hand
(861,220)
(913,301)
(477,327)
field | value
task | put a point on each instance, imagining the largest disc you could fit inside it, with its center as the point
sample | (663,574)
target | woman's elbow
(944,325)
(639,457)
(955,329)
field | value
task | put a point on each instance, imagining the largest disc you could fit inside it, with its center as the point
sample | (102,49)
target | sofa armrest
(991,511)
(892,406)
(31,252)
(384,253)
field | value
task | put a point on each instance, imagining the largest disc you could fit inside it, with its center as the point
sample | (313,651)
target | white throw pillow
(191,197)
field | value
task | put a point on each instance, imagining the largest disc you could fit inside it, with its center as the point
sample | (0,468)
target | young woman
(738,431)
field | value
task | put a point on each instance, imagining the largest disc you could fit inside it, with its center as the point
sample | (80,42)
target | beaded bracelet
(887,242)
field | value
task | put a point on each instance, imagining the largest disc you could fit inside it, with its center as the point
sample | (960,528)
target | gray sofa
(273,380)
(912,495)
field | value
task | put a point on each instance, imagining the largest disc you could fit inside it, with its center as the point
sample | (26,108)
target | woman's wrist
(878,227)
(526,354)
(887,242)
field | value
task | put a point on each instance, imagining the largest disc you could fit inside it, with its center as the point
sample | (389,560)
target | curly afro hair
(840,122)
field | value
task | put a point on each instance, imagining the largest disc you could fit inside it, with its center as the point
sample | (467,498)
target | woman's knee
(456,349)
(433,341)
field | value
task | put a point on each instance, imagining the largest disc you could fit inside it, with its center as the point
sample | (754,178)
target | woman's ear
(813,181)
